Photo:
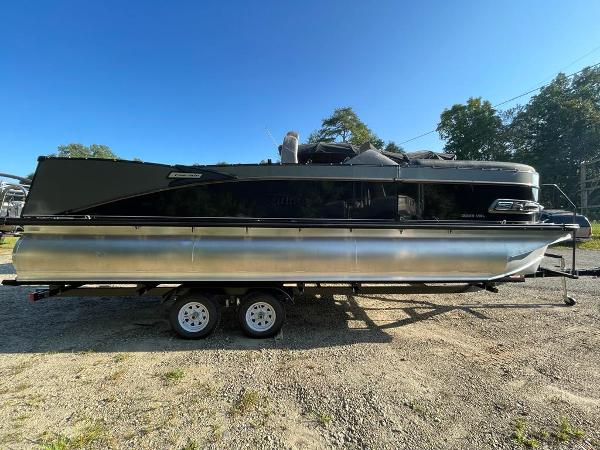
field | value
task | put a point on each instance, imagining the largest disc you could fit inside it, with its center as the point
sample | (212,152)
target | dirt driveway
(467,371)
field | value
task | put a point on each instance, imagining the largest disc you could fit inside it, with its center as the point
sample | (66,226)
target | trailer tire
(261,314)
(194,316)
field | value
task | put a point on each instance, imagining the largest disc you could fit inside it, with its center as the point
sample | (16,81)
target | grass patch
(520,434)
(9,438)
(120,357)
(111,399)
(592,244)
(7,243)
(416,407)
(246,402)
(322,418)
(59,443)
(34,400)
(565,431)
(21,367)
(217,431)
(174,375)
(92,432)
(20,387)
(87,351)
(117,375)
(191,445)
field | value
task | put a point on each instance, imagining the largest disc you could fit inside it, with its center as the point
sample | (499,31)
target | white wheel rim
(193,317)
(260,316)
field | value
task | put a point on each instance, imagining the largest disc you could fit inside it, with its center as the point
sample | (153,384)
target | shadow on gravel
(140,324)
(423,310)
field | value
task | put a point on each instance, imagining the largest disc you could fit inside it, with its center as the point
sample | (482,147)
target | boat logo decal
(184,175)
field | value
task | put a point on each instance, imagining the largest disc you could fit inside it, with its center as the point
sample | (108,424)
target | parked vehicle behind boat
(583,233)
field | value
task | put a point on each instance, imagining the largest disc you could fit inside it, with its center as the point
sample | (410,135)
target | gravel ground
(439,372)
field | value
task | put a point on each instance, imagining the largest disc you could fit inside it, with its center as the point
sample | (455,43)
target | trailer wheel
(194,316)
(261,315)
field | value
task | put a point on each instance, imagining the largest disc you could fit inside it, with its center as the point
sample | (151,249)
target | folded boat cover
(428,154)
(326,152)
(371,157)
(338,152)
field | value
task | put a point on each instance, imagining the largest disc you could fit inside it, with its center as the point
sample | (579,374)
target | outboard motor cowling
(289,149)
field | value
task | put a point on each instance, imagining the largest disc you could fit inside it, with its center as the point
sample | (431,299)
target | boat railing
(573,233)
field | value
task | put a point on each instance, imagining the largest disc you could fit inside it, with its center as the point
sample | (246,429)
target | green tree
(76,150)
(392,147)
(473,131)
(560,128)
(344,125)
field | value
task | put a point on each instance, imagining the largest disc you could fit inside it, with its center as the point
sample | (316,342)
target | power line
(507,101)
(562,69)
(538,88)
(417,137)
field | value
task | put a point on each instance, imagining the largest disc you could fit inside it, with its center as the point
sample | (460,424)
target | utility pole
(590,183)
(584,196)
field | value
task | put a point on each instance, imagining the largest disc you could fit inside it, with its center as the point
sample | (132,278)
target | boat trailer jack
(563,274)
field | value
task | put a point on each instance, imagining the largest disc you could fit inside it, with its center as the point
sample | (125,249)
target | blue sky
(198,82)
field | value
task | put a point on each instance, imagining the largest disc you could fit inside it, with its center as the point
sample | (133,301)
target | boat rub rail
(282,223)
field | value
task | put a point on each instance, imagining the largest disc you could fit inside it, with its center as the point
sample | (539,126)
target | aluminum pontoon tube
(128,253)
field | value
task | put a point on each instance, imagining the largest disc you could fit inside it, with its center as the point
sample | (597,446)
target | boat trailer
(195,307)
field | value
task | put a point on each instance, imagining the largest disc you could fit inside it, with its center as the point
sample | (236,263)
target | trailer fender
(284,295)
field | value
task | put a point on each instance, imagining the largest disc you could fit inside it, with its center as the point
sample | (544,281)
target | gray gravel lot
(439,372)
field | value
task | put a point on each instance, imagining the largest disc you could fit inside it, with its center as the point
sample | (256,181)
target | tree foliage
(76,150)
(344,125)
(392,147)
(559,129)
(473,131)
